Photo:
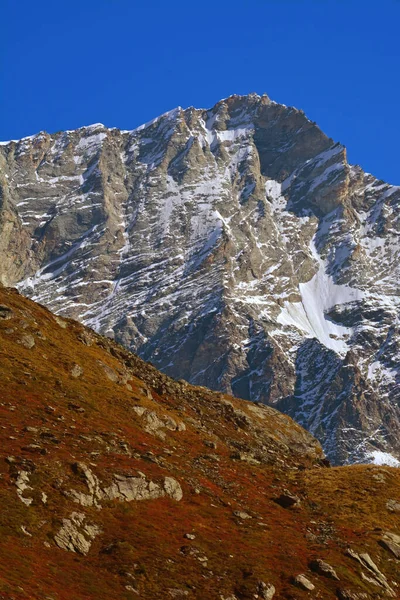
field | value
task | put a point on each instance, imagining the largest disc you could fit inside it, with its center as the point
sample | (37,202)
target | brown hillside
(118,482)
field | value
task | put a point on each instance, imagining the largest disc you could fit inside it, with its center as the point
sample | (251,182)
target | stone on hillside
(76,371)
(61,322)
(22,484)
(75,535)
(322,568)
(30,429)
(5,312)
(374,576)
(92,483)
(393,506)
(27,341)
(303,583)
(352,595)
(265,591)
(173,489)
(391,542)
(123,487)
(111,374)
(241,514)
(155,423)
(210,444)
(288,499)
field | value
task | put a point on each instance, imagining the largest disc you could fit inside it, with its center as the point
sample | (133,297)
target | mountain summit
(233,247)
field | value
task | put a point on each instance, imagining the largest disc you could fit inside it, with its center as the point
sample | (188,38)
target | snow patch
(377,457)
(318,296)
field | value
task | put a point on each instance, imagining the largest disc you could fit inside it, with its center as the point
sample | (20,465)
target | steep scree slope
(234,247)
(118,482)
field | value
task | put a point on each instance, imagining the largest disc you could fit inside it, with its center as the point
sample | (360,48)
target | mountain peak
(234,247)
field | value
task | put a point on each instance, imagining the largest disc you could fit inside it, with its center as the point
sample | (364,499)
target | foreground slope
(234,247)
(118,482)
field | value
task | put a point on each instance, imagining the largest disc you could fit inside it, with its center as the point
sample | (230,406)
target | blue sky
(65,64)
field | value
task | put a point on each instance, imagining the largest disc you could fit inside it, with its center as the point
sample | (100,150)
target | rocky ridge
(234,247)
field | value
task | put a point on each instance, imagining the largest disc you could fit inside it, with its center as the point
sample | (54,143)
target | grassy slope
(90,418)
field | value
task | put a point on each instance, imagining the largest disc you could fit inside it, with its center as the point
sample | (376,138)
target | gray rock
(374,575)
(343,594)
(76,371)
(303,583)
(22,484)
(75,535)
(173,489)
(391,542)
(288,499)
(27,341)
(393,506)
(323,568)
(61,322)
(265,591)
(126,488)
(155,423)
(92,483)
(241,514)
(5,312)
(34,449)
(111,374)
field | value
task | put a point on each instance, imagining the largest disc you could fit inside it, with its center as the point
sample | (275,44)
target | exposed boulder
(123,487)
(303,583)
(288,500)
(352,595)
(265,591)
(5,312)
(27,341)
(323,568)
(22,483)
(173,489)
(75,535)
(393,506)
(374,575)
(155,423)
(76,371)
(391,542)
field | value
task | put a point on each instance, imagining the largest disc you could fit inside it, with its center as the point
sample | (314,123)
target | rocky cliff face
(119,482)
(233,247)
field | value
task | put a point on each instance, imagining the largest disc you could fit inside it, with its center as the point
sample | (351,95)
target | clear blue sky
(68,63)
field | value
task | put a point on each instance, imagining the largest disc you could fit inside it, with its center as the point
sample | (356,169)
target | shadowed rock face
(234,247)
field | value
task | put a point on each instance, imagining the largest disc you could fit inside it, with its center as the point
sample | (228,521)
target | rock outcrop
(123,487)
(76,535)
